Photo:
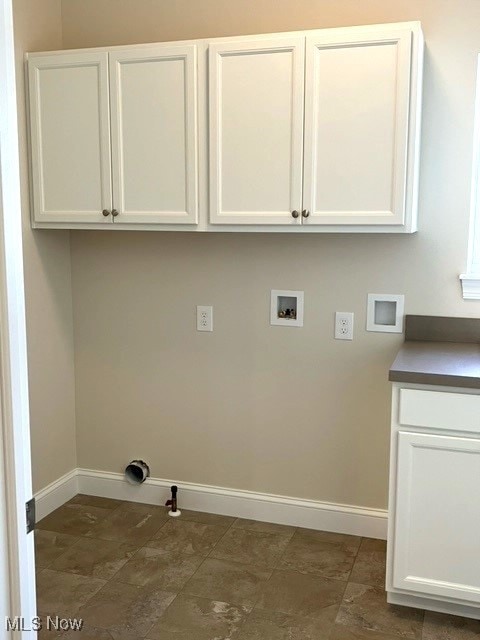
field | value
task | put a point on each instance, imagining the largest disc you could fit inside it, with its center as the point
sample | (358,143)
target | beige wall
(280,410)
(47,284)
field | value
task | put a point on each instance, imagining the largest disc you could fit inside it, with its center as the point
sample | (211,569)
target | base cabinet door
(70,138)
(437,518)
(256,131)
(357,102)
(154,134)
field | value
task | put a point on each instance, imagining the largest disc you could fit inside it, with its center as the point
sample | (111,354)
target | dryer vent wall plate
(137,471)
(385,312)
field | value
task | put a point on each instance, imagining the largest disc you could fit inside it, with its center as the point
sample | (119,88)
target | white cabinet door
(70,138)
(154,134)
(356,125)
(256,130)
(437,518)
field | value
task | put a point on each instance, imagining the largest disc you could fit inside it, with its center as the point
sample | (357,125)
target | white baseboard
(56,494)
(311,514)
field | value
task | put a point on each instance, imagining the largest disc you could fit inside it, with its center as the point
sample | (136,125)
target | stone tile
(141,506)
(159,569)
(95,501)
(62,594)
(206,518)
(85,633)
(271,625)
(228,581)
(47,632)
(131,522)
(322,554)
(49,545)
(183,536)
(251,547)
(126,610)
(366,607)
(370,563)
(88,633)
(372,544)
(439,626)
(267,527)
(97,558)
(74,519)
(302,595)
(341,540)
(191,618)
(340,632)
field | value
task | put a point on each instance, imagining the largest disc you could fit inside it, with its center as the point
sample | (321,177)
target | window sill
(470,286)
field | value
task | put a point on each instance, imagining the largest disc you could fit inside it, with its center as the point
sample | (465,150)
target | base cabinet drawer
(439,410)
(436,546)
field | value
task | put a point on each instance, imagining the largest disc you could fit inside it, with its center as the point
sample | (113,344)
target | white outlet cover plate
(204,318)
(343,325)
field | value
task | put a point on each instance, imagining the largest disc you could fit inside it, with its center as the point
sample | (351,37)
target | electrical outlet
(204,318)
(343,325)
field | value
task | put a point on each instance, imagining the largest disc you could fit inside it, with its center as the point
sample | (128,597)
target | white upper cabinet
(70,138)
(357,110)
(357,118)
(256,130)
(114,136)
(301,132)
(154,134)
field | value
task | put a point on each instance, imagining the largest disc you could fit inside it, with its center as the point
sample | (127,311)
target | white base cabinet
(434,510)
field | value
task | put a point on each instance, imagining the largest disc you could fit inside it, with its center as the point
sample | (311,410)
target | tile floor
(129,571)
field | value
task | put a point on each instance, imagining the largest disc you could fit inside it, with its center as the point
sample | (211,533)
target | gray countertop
(439,350)
(453,364)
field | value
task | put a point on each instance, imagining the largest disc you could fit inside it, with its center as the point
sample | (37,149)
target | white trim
(470,286)
(471,279)
(15,474)
(411,24)
(324,516)
(56,494)
(312,514)
(452,608)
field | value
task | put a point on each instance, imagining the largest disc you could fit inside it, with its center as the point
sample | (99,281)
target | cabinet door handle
(295,214)
(305,213)
(114,213)
(106,212)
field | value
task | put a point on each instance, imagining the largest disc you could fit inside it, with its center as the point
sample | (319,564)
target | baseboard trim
(323,516)
(311,514)
(56,494)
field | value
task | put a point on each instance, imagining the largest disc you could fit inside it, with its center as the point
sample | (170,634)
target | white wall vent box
(385,312)
(286,308)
